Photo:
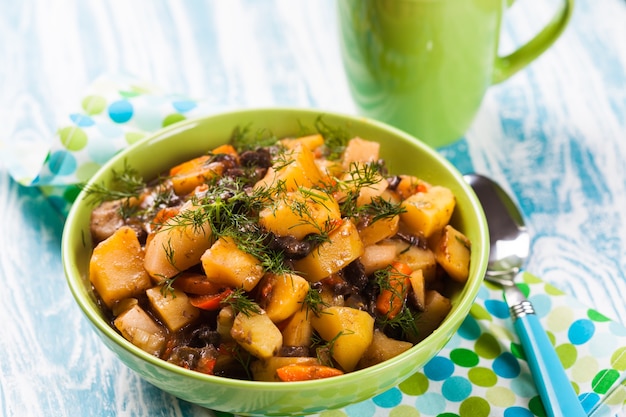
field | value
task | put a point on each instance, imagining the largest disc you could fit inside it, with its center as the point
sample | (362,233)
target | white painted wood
(554,135)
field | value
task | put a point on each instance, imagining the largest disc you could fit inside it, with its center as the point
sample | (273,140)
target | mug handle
(506,66)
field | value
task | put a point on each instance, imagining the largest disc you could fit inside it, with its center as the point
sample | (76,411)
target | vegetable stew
(276,259)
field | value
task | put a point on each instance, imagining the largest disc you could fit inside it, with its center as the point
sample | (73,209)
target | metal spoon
(509,249)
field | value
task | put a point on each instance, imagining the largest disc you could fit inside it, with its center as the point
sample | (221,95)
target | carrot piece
(189,166)
(196,284)
(210,302)
(410,185)
(224,149)
(391,299)
(401,268)
(197,164)
(206,365)
(164,215)
(293,372)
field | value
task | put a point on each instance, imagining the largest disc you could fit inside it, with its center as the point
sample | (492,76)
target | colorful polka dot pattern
(481,372)
(113,114)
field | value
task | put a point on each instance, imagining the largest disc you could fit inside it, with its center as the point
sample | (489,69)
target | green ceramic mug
(424,65)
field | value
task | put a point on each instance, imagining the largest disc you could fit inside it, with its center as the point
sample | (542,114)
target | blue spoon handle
(555,388)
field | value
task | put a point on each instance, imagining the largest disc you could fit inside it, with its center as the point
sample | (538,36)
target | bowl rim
(90,310)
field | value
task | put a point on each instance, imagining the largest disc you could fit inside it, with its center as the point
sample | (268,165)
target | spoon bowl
(509,249)
(509,238)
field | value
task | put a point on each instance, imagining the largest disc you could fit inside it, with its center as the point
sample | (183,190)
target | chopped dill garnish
(360,176)
(404,321)
(254,242)
(169,253)
(241,303)
(243,140)
(167,286)
(381,278)
(124,184)
(335,138)
(364,175)
(381,208)
(313,302)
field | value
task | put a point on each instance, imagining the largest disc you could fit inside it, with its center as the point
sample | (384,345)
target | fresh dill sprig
(304,130)
(317,239)
(243,140)
(381,278)
(404,321)
(303,209)
(124,184)
(380,208)
(169,253)
(254,242)
(124,187)
(465,242)
(363,175)
(282,158)
(335,139)
(313,302)
(231,210)
(325,349)
(167,286)
(348,206)
(241,303)
(162,197)
(359,176)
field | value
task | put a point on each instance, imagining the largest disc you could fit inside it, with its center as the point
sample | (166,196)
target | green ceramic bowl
(181,141)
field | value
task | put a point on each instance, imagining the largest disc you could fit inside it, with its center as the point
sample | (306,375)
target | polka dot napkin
(481,372)
(115,112)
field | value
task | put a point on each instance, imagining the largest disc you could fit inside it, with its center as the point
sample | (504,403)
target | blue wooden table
(554,135)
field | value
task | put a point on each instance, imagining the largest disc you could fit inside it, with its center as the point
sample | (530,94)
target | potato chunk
(452,252)
(379,230)
(298,169)
(173,308)
(351,331)
(409,185)
(378,256)
(225,320)
(178,244)
(224,263)
(417,258)
(418,289)
(360,150)
(300,213)
(297,329)
(428,212)
(381,349)
(284,295)
(142,331)
(190,174)
(344,246)
(436,309)
(116,267)
(257,334)
(311,142)
(361,180)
